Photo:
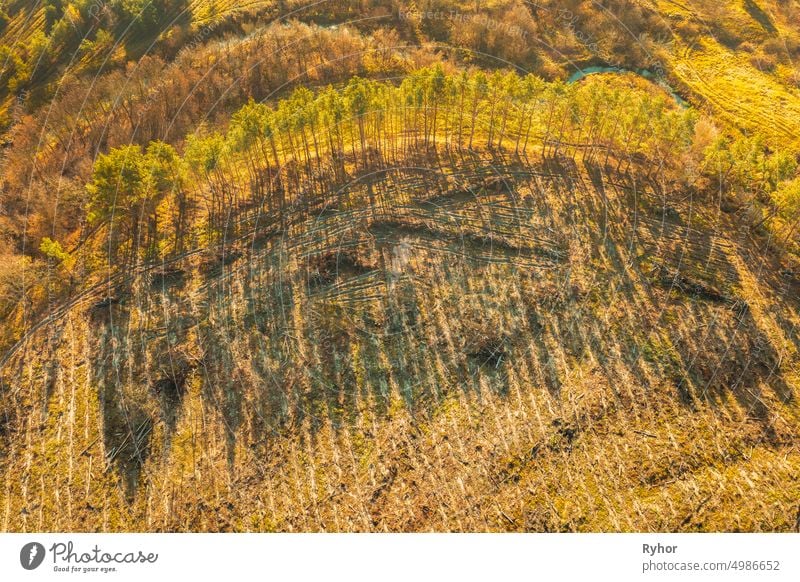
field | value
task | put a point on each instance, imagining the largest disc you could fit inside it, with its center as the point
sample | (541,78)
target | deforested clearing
(352,267)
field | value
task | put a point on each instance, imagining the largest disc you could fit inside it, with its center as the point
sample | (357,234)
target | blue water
(644,73)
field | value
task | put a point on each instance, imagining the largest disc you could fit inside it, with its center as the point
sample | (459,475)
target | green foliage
(53,12)
(204,152)
(67,33)
(97,51)
(504,110)
(127,189)
(163,168)
(248,125)
(117,182)
(747,165)
(127,180)
(787,202)
(14,71)
(53,250)
(787,199)
(357,96)
(147,16)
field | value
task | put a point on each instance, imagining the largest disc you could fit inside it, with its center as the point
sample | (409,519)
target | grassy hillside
(740,61)
(377,266)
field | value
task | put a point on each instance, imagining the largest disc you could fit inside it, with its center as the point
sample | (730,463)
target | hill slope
(491,344)
(360,268)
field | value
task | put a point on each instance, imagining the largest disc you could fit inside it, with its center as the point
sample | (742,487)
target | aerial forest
(390,266)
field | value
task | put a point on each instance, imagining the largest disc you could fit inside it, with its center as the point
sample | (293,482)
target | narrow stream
(644,73)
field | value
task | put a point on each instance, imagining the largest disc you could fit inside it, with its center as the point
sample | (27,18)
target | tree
(203,155)
(479,89)
(787,202)
(119,194)
(147,17)
(332,112)
(356,97)
(164,182)
(53,12)
(435,90)
(117,182)
(246,136)
(53,250)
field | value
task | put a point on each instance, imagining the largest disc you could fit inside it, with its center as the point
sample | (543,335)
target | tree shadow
(127,424)
(461,277)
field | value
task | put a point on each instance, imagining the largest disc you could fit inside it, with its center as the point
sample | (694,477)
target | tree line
(279,161)
(276,158)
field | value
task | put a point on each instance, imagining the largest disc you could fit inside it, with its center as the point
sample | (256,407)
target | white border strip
(402,557)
